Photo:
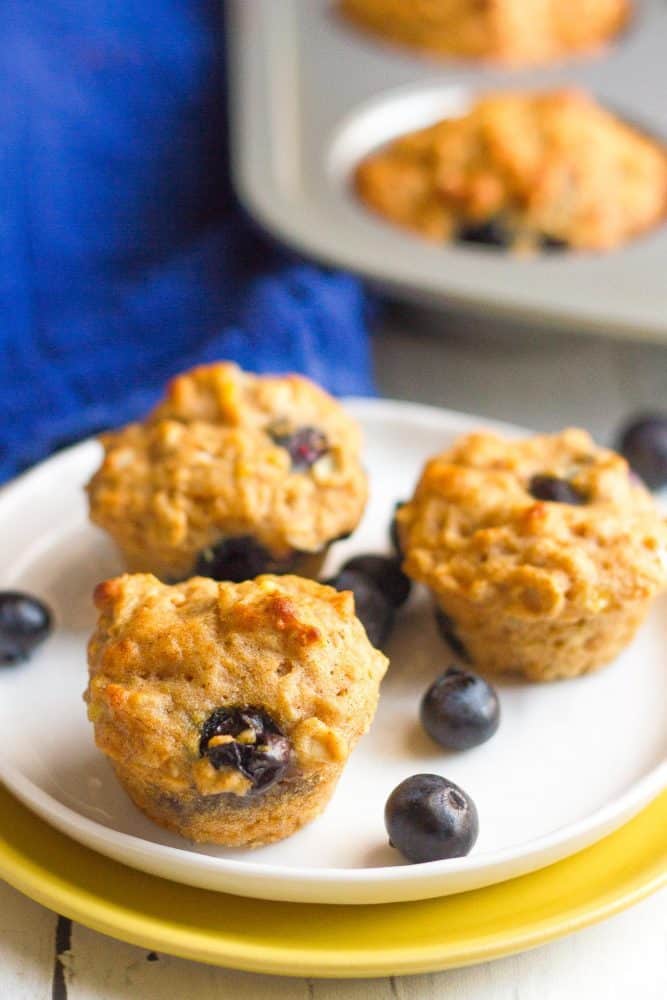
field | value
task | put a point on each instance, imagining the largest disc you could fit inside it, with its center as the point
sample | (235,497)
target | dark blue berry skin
(552,243)
(386,574)
(262,762)
(494,234)
(643,442)
(429,819)
(305,445)
(393,530)
(448,633)
(237,559)
(25,621)
(491,234)
(460,710)
(372,608)
(556,490)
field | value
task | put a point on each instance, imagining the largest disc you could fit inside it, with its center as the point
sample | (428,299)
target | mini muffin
(228,710)
(509,31)
(522,170)
(232,475)
(543,554)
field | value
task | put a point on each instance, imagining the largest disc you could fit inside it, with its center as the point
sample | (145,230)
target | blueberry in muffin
(228,711)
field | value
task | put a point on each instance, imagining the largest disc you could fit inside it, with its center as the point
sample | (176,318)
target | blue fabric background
(123,256)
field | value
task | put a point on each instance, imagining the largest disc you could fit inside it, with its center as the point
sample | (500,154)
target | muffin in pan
(228,710)
(547,169)
(510,31)
(543,554)
(232,475)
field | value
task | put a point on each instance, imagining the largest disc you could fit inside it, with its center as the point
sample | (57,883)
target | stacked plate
(556,788)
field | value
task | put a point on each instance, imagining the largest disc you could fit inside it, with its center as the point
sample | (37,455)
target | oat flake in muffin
(230,476)
(228,710)
(543,587)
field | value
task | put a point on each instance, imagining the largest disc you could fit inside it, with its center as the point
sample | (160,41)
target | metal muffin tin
(312,96)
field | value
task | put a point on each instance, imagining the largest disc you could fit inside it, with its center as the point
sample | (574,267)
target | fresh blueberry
(552,243)
(257,748)
(236,559)
(448,633)
(429,818)
(491,233)
(643,442)
(305,445)
(25,621)
(556,490)
(393,529)
(386,574)
(460,710)
(371,606)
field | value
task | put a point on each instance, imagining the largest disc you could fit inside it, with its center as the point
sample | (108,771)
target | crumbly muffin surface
(164,658)
(208,463)
(543,168)
(512,571)
(511,31)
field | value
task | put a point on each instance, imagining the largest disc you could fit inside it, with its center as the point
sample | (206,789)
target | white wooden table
(544,382)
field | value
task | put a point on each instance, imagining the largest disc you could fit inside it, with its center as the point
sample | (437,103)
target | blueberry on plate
(491,233)
(556,490)
(448,632)
(460,710)
(386,574)
(393,529)
(643,442)
(247,740)
(429,818)
(25,621)
(372,608)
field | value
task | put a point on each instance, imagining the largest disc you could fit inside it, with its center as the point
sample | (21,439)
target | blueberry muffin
(524,170)
(543,554)
(232,475)
(228,710)
(510,31)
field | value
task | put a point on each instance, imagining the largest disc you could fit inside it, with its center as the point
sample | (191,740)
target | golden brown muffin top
(546,166)
(476,528)
(211,462)
(164,658)
(509,31)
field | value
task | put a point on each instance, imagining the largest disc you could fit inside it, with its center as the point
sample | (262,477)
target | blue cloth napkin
(124,257)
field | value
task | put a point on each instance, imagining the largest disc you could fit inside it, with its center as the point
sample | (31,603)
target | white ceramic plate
(570,762)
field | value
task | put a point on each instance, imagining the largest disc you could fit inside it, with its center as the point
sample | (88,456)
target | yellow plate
(307,940)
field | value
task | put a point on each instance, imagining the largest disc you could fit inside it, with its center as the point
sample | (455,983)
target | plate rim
(331,881)
(33,873)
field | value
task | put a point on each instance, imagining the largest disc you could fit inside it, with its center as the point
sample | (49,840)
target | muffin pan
(313,96)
